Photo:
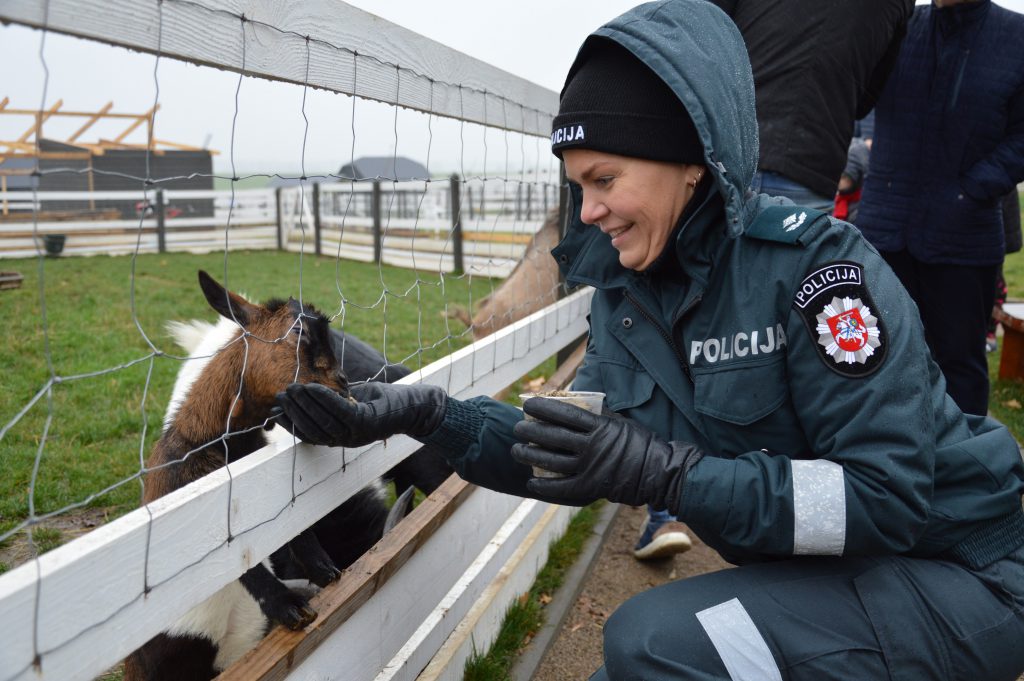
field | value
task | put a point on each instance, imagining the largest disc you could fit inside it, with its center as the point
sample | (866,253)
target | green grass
(222,182)
(525,616)
(95,437)
(1007,396)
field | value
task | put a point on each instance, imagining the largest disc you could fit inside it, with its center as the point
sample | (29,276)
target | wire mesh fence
(93,371)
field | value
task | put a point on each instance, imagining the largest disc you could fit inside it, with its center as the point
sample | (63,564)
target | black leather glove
(317,414)
(601,456)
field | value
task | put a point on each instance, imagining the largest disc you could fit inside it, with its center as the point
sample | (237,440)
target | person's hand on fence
(317,414)
(600,456)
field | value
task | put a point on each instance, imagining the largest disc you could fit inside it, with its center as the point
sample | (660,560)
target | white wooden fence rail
(390,68)
(420,235)
(244,220)
(81,606)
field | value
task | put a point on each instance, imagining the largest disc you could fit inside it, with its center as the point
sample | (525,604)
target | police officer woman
(767,382)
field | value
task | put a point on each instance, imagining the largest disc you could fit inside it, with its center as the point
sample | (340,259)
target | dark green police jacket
(786,349)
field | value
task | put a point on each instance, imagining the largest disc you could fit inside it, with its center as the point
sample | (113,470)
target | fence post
(316,218)
(161,227)
(378,245)
(280,227)
(456,224)
(529,201)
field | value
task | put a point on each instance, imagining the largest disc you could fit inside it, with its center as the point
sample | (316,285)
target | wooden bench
(1011,316)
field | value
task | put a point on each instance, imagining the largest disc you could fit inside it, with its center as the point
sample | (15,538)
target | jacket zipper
(664,334)
(959,79)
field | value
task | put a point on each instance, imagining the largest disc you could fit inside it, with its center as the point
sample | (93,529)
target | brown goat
(532,285)
(218,414)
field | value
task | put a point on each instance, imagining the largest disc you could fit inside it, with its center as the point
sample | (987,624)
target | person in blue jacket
(948,146)
(767,382)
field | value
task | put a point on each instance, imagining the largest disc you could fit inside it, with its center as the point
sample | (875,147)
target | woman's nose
(592,211)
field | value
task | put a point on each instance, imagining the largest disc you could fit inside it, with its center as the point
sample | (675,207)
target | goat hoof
(299,617)
(293,611)
(324,574)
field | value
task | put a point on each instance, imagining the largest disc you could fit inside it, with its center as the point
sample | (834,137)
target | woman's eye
(603,182)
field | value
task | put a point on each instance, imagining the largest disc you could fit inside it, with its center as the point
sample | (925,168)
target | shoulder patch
(838,312)
(785,224)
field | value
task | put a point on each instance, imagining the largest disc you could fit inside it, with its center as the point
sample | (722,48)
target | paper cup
(590,401)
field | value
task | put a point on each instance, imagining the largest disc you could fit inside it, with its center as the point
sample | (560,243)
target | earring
(694,181)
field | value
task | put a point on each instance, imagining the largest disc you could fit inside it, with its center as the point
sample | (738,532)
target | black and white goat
(225,381)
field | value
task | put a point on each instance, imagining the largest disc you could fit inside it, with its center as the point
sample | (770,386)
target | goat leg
(277,601)
(311,558)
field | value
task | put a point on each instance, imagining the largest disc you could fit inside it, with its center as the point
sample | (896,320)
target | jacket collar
(955,18)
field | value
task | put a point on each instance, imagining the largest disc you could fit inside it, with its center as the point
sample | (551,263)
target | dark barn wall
(118,170)
(125,170)
(63,174)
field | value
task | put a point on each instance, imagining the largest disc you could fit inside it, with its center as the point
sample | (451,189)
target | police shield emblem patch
(838,312)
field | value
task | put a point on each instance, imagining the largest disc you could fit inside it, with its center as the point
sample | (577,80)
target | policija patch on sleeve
(841,317)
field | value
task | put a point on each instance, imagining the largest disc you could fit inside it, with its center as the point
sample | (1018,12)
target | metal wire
(387,294)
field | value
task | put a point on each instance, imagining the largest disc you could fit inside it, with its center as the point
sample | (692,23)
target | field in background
(95,437)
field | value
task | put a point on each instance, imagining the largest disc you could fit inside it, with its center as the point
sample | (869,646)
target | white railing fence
(123,222)
(80,608)
(411,223)
(435,589)
(406,224)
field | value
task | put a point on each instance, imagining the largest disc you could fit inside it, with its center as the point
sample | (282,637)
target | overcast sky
(534,39)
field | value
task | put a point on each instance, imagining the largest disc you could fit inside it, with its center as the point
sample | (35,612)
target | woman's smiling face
(635,201)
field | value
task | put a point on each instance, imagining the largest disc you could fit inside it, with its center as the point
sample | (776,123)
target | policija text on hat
(767,382)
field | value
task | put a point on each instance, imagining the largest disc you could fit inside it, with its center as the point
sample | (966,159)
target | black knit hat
(614,102)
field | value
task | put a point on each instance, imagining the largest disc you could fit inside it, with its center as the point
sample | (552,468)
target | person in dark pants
(949,144)
(810,90)
(766,381)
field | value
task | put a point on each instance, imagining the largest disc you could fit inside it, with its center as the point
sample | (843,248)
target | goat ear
(226,303)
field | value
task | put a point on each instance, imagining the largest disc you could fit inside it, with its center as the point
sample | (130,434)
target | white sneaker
(668,540)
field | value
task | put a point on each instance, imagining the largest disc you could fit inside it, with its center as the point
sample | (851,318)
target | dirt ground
(55,531)
(616,575)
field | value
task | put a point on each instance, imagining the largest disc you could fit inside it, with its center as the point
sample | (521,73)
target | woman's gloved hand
(318,415)
(601,456)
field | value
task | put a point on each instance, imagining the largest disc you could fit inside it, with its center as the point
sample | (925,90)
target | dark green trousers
(820,619)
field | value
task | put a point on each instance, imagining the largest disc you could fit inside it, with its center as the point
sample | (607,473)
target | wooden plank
(70,227)
(388,69)
(433,629)
(372,637)
(178,546)
(283,649)
(131,195)
(241,195)
(41,117)
(66,112)
(479,628)
(90,122)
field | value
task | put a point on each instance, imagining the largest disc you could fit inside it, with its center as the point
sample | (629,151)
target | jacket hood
(698,51)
